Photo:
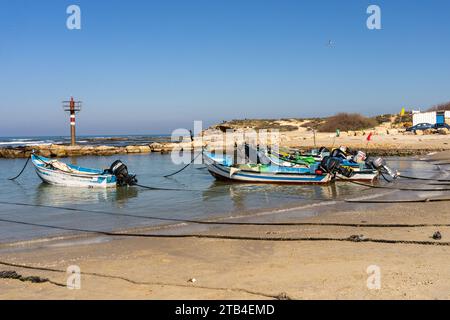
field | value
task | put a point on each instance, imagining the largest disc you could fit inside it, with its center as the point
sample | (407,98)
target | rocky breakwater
(61,151)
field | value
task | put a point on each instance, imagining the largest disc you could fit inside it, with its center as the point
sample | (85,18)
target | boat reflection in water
(56,196)
(246,195)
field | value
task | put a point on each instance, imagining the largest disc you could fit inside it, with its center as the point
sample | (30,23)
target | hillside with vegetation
(341,121)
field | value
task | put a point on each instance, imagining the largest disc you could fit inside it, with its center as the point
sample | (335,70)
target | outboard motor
(360,156)
(120,170)
(338,153)
(380,165)
(323,149)
(333,166)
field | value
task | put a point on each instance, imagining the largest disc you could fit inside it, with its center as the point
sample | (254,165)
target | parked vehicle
(441,126)
(420,126)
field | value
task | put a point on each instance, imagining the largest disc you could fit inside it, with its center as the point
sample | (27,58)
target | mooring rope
(280,296)
(209,222)
(395,188)
(400,201)
(33,279)
(178,171)
(424,179)
(21,171)
(352,238)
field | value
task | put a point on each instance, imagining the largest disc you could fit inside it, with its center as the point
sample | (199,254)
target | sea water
(204,198)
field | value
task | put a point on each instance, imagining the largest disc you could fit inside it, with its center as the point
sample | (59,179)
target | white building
(431,117)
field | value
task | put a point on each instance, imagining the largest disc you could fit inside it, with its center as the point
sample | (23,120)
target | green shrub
(383,118)
(346,122)
(407,117)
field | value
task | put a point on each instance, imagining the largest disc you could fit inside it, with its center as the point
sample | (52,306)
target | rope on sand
(209,222)
(424,179)
(280,296)
(352,238)
(33,279)
(397,188)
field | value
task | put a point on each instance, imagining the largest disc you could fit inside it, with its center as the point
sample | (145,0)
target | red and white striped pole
(72,122)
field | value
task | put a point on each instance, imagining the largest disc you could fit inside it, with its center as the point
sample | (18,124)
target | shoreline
(64,151)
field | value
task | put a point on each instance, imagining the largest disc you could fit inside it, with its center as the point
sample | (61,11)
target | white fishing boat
(55,172)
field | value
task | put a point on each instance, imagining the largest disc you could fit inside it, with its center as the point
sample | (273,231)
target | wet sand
(155,268)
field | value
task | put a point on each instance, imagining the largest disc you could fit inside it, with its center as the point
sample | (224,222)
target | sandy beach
(157,268)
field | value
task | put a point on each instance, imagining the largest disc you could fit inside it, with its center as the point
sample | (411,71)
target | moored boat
(55,172)
(365,169)
(221,168)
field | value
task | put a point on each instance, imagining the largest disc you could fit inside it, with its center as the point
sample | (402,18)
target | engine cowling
(380,165)
(120,170)
(333,165)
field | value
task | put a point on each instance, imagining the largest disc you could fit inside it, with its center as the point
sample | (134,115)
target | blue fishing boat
(365,169)
(221,167)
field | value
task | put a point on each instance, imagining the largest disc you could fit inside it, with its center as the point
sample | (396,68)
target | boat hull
(60,178)
(222,172)
(359,176)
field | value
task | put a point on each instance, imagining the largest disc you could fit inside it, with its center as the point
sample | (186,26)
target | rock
(11,153)
(73,150)
(444,131)
(359,133)
(107,150)
(58,151)
(428,131)
(356,237)
(188,145)
(45,153)
(392,131)
(437,236)
(418,133)
(87,150)
(156,147)
(283,296)
(133,149)
(145,149)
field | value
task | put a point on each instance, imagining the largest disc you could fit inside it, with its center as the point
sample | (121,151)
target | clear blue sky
(153,66)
